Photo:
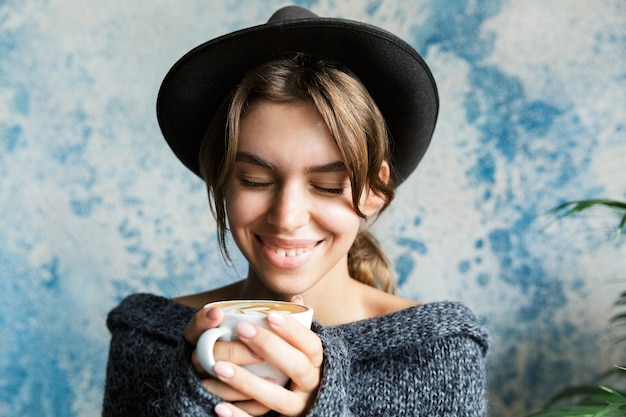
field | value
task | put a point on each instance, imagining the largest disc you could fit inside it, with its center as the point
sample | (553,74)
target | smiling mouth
(289,250)
(289,253)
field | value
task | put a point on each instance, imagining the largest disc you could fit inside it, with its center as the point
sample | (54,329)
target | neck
(335,299)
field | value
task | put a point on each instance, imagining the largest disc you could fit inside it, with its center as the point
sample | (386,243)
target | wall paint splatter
(94,207)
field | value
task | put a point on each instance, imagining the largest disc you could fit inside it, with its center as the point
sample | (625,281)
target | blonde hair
(352,118)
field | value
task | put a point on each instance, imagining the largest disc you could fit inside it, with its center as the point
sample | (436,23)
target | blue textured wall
(93,206)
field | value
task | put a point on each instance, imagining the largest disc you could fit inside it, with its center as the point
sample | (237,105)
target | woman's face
(289,200)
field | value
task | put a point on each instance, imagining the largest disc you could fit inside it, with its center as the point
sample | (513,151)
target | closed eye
(330,190)
(254,184)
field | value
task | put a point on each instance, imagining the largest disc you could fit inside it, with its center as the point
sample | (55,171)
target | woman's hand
(234,352)
(292,348)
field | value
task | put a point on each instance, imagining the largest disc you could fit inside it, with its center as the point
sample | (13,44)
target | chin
(286,287)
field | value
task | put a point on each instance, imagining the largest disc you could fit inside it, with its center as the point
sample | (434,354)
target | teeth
(291,252)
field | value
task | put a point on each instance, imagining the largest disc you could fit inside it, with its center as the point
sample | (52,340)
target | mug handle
(206,343)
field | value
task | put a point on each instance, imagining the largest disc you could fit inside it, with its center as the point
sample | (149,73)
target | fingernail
(222,410)
(213,313)
(246,330)
(277,318)
(297,299)
(224,370)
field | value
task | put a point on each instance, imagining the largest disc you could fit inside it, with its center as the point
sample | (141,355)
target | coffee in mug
(254,312)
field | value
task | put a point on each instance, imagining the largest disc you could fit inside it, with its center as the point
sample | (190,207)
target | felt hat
(392,71)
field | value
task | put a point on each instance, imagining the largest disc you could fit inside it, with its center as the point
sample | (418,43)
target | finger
(294,333)
(291,360)
(204,319)
(195,362)
(297,299)
(253,408)
(227,410)
(268,394)
(223,390)
(235,352)
(228,393)
(240,410)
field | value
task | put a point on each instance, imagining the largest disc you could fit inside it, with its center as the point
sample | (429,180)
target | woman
(301,137)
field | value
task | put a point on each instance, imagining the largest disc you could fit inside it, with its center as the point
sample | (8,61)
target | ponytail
(368,264)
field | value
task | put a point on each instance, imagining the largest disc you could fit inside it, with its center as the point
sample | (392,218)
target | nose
(290,208)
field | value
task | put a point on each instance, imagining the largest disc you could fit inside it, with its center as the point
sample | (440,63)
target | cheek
(240,209)
(339,217)
(244,207)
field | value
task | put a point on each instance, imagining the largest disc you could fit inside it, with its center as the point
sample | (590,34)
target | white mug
(254,312)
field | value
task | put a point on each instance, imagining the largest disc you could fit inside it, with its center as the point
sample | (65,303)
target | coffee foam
(261,308)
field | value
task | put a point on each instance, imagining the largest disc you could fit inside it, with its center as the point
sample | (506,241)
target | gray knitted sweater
(426,360)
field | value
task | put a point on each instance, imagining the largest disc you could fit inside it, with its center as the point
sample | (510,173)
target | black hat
(392,71)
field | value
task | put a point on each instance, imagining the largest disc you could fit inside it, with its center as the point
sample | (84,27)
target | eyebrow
(335,166)
(252,159)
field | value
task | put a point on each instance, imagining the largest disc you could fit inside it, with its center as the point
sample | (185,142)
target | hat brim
(393,72)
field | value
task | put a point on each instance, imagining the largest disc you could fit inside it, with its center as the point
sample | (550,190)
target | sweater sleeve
(148,371)
(452,377)
(333,395)
(425,361)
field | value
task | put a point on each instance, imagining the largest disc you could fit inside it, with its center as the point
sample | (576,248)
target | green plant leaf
(593,400)
(621,300)
(608,411)
(588,395)
(614,393)
(581,411)
(618,318)
(571,208)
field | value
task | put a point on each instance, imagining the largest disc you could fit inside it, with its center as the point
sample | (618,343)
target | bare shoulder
(199,300)
(380,302)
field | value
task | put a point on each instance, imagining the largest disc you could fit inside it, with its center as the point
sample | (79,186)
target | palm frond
(590,401)
(589,395)
(621,300)
(571,208)
(593,400)
(611,410)
(617,322)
